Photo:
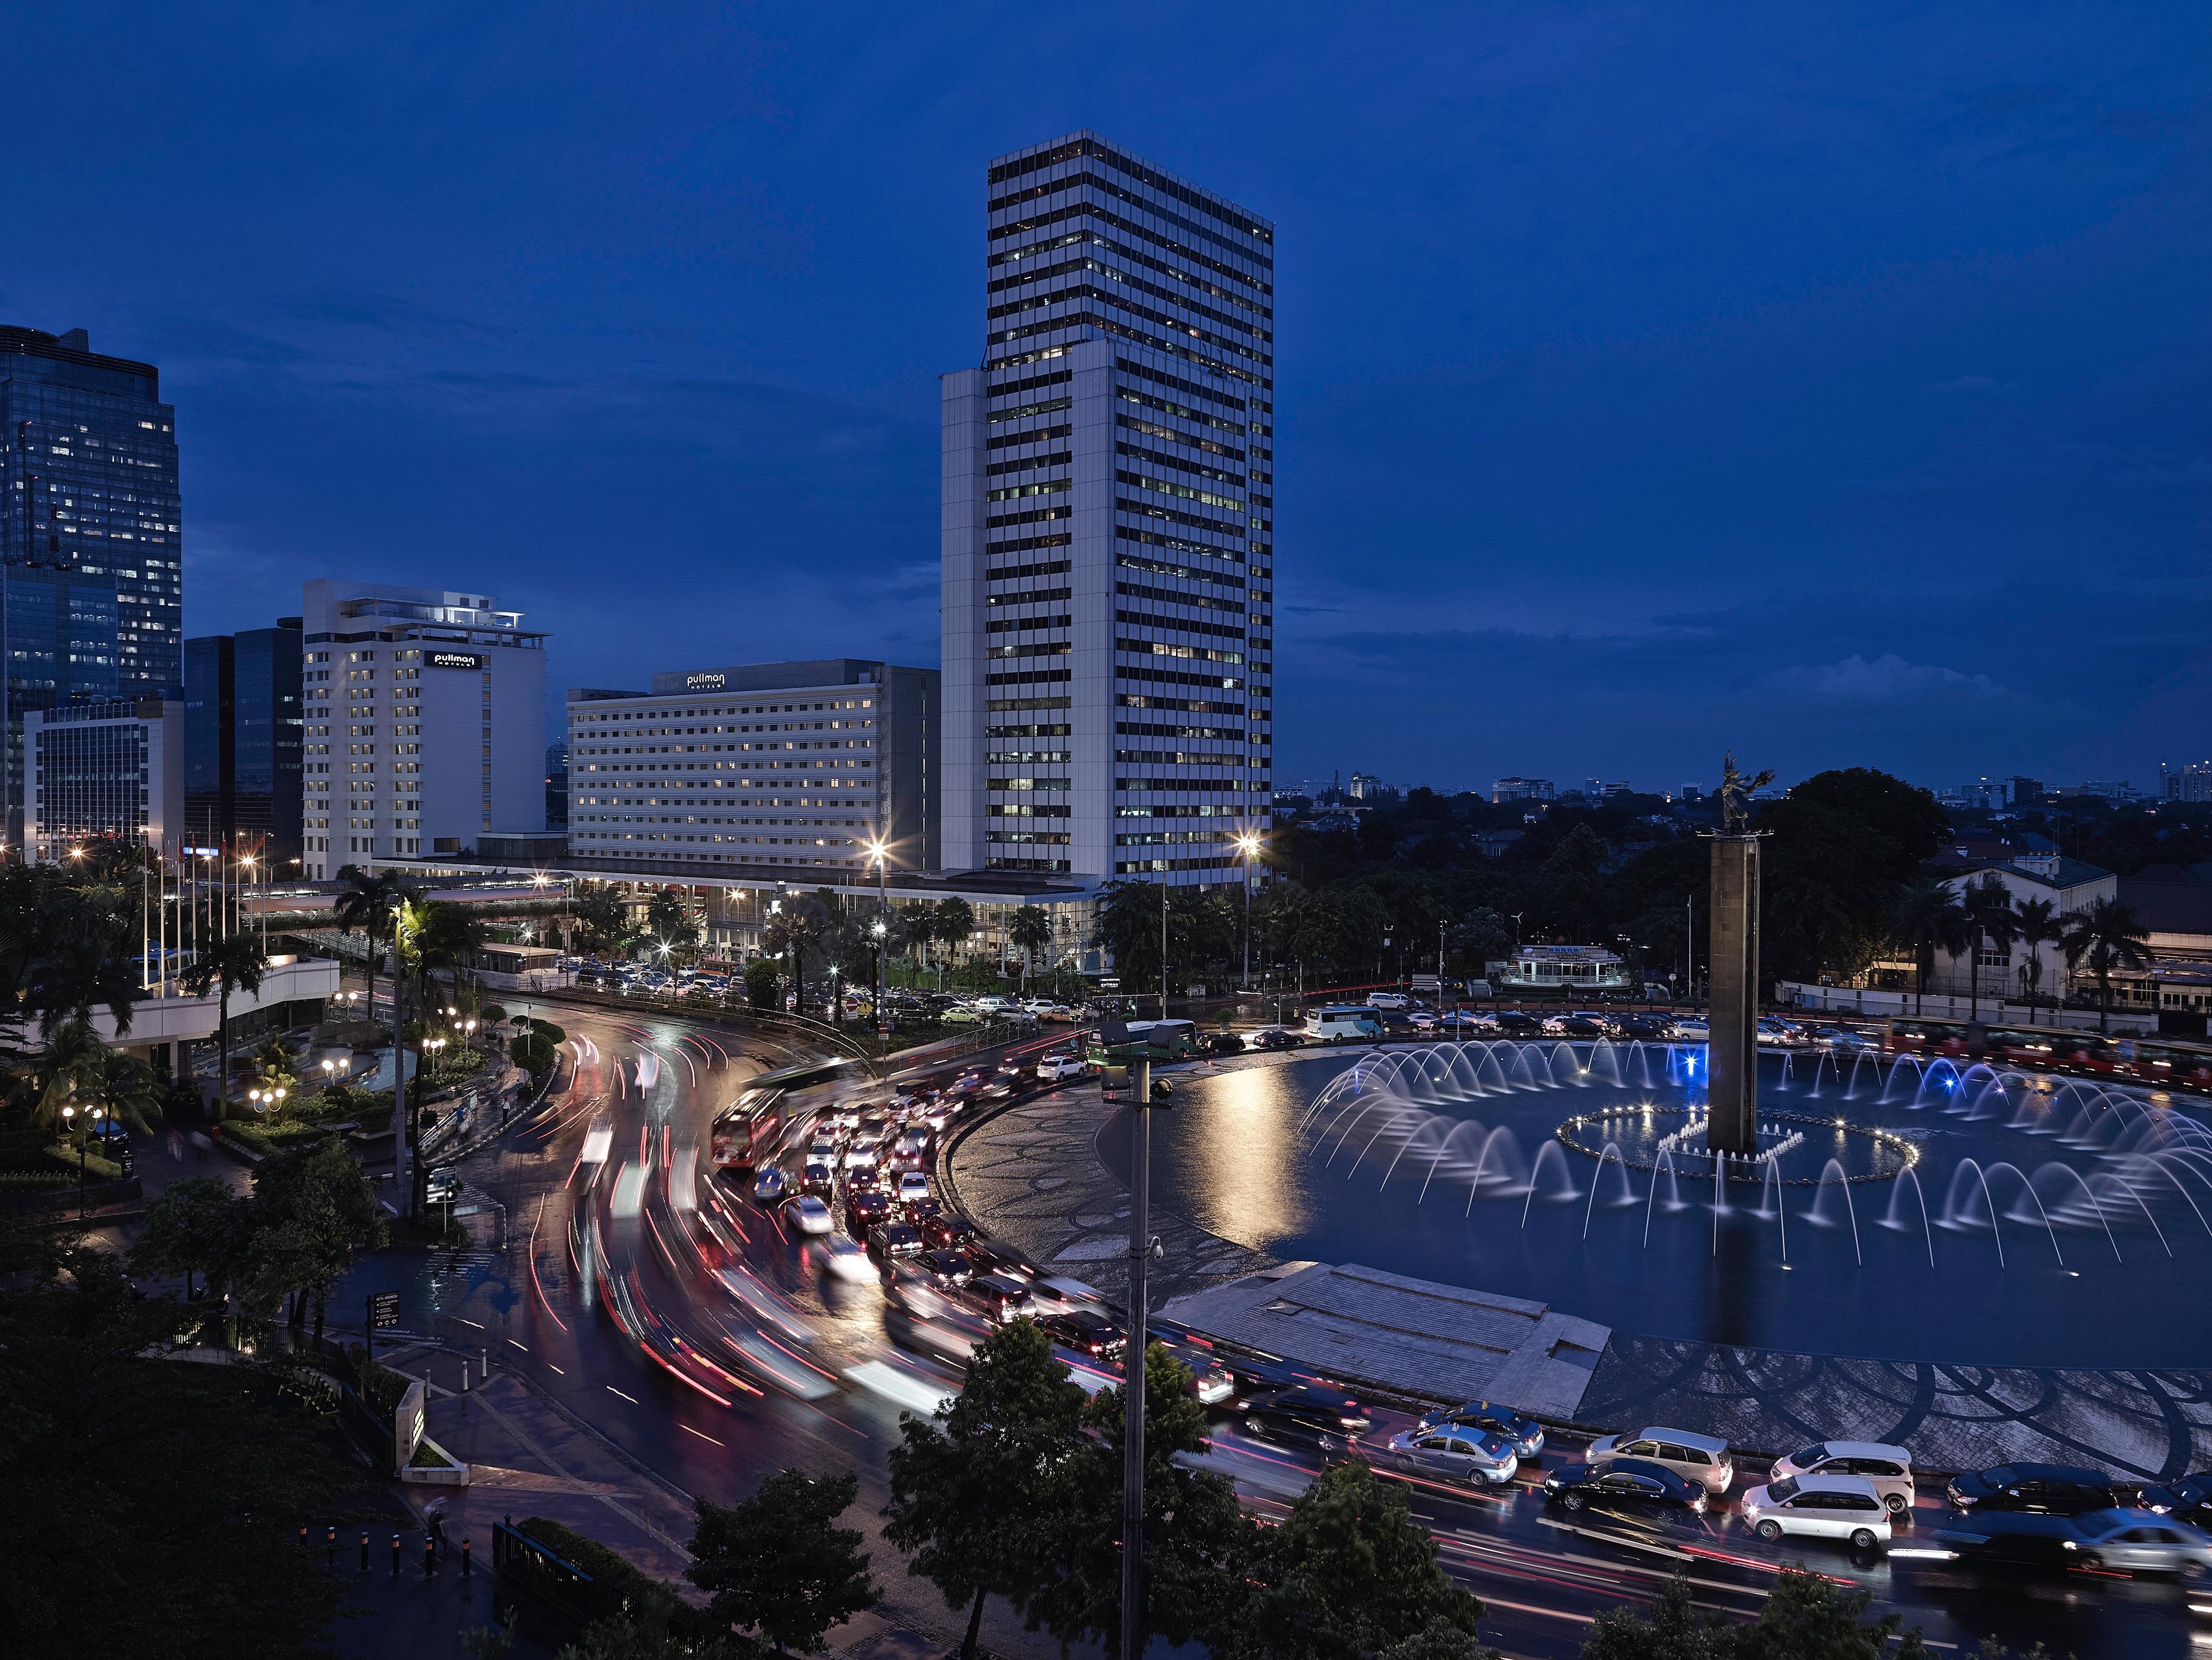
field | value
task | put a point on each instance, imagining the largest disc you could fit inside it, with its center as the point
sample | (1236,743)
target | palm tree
(425,936)
(1930,919)
(803,921)
(917,930)
(369,903)
(1031,930)
(1989,916)
(2108,935)
(955,920)
(230,962)
(2038,926)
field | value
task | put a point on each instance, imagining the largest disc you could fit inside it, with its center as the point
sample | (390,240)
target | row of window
(1040,435)
(1124,279)
(1019,256)
(1174,435)
(1095,150)
(1024,624)
(1025,410)
(1068,212)
(1027,597)
(1143,619)
(1080,293)
(1113,328)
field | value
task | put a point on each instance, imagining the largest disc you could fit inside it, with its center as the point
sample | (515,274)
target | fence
(1951,1006)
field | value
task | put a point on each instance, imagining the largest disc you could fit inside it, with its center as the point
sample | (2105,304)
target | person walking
(433,1524)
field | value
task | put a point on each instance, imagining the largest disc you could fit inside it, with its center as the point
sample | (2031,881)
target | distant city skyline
(1644,388)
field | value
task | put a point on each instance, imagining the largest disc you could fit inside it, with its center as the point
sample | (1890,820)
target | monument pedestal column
(1732,1073)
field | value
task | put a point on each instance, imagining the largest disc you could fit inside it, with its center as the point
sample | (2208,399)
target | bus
(749,1130)
(1144,1040)
(1350,1023)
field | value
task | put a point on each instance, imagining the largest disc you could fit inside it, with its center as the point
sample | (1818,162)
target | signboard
(407,1425)
(705,681)
(383,1308)
(457,659)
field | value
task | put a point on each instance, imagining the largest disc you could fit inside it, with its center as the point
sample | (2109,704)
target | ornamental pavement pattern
(1032,1177)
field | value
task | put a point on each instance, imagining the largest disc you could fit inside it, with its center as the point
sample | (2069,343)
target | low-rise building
(1521,789)
(111,770)
(1560,968)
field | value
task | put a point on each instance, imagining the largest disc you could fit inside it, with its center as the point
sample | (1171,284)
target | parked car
(2189,1499)
(2039,1489)
(1389,999)
(1524,1435)
(1516,1023)
(1699,1458)
(1576,1026)
(810,1215)
(1690,1029)
(1841,1039)
(1635,1485)
(1890,1468)
(1640,1028)
(1818,1507)
(1469,1457)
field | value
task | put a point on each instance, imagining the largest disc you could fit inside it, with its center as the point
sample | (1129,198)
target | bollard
(364,1550)
(484,1376)
(430,1556)
(330,1549)
(395,1556)
(465,1569)
(303,1536)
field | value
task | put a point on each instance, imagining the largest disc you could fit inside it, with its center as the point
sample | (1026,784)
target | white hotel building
(798,767)
(423,717)
(1107,527)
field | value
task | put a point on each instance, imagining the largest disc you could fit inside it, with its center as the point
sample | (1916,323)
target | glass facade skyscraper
(242,740)
(1108,526)
(91,561)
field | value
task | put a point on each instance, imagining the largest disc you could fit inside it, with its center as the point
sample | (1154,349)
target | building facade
(424,723)
(91,561)
(113,771)
(794,765)
(242,740)
(1107,527)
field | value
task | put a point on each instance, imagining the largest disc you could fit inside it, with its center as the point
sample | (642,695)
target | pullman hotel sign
(459,660)
(705,681)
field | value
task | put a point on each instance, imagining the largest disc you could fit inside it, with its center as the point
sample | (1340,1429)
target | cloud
(1886,679)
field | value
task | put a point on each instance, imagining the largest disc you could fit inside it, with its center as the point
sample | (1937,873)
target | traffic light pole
(1132,1361)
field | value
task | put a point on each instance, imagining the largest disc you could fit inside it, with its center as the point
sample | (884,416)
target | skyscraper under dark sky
(91,561)
(1109,526)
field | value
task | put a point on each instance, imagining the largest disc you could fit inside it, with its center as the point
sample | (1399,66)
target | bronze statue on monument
(1735,791)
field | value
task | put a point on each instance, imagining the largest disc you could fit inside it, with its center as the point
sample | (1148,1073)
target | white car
(864,1153)
(1699,1458)
(2139,1542)
(913,1187)
(1389,999)
(1890,1468)
(1818,1507)
(1690,1029)
(1057,1068)
(809,1215)
(843,1259)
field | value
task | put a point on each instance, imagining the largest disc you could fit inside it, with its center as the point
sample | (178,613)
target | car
(889,1240)
(1639,1029)
(1689,1028)
(1630,1484)
(913,1187)
(1516,1023)
(822,1150)
(946,1233)
(1576,1026)
(818,1179)
(1087,1332)
(962,1017)
(1278,1037)
(1469,1457)
(1308,1413)
(864,1153)
(1221,1042)
(1841,1039)
(951,1266)
(864,1208)
(2130,1541)
(842,1257)
(1464,1022)
(2189,1499)
(908,1151)
(769,1183)
(442,1187)
(1818,1507)
(1890,1468)
(1389,999)
(810,1215)
(2039,1489)
(1057,1068)
(1524,1435)
(1000,1296)
(1699,1458)
(2012,1537)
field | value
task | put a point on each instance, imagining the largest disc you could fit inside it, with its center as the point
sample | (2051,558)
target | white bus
(1347,1024)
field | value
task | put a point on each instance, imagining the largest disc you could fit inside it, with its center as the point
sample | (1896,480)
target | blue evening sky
(1830,382)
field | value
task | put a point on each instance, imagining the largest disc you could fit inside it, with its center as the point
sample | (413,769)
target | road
(705,1341)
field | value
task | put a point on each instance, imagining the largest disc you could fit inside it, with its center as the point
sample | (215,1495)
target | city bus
(1144,1040)
(749,1130)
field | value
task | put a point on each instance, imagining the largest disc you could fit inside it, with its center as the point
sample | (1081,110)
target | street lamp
(68,1121)
(1248,844)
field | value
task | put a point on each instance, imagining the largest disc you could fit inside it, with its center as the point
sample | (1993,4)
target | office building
(784,764)
(113,770)
(425,722)
(2190,782)
(242,737)
(1108,526)
(1521,789)
(556,784)
(91,566)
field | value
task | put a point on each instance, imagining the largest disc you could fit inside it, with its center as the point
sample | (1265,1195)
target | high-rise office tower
(242,721)
(91,566)
(1107,527)
(423,723)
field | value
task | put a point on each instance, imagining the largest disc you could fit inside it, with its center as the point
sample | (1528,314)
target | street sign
(383,1308)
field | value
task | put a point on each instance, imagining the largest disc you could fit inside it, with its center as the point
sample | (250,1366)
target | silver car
(1466,1456)
(1700,1458)
(2137,1542)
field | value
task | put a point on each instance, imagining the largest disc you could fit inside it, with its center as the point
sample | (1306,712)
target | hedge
(622,1581)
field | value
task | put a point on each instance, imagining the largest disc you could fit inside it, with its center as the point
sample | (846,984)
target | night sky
(1831,383)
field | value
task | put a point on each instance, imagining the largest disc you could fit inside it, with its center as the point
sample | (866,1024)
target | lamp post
(836,1004)
(1248,844)
(879,855)
(68,1119)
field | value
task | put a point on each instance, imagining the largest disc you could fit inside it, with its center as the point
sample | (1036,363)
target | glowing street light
(1247,843)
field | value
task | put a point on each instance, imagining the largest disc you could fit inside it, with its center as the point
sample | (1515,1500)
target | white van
(1389,999)
(1346,1025)
(1821,1507)
(1700,1458)
(1890,1468)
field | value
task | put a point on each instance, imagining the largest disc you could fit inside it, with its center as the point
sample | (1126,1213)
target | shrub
(622,1582)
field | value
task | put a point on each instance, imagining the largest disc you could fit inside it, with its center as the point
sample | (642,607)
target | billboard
(457,659)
